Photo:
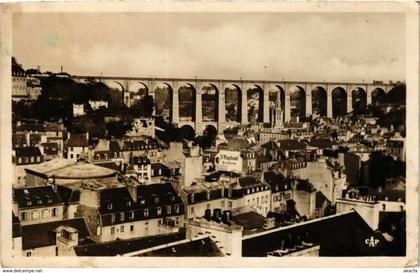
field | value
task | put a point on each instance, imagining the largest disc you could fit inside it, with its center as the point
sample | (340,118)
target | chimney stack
(207,215)
(217,215)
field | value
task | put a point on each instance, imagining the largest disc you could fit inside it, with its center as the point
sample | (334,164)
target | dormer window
(38,200)
(49,200)
(109,205)
(112,218)
(171,197)
(155,198)
(28,202)
(159,210)
(128,203)
(146,213)
(168,209)
(122,216)
(192,197)
(176,208)
(131,215)
(142,200)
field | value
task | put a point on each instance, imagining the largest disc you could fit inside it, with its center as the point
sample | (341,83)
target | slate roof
(320,199)
(248,181)
(338,235)
(31,127)
(32,197)
(150,197)
(277,182)
(193,248)
(45,233)
(27,151)
(50,148)
(249,220)
(291,145)
(69,196)
(270,145)
(78,140)
(216,175)
(321,143)
(121,247)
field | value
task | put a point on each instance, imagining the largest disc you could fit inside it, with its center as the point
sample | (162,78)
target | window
(208,206)
(192,210)
(168,209)
(383,207)
(32,159)
(176,207)
(146,213)
(45,213)
(230,204)
(159,210)
(131,216)
(23,216)
(122,229)
(146,226)
(112,218)
(131,228)
(28,254)
(112,230)
(54,212)
(122,216)
(109,205)
(19,160)
(35,214)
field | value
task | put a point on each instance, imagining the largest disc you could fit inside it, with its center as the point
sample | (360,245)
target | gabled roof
(45,233)
(69,196)
(320,199)
(42,196)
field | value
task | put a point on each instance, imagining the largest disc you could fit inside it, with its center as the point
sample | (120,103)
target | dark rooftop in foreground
(338,235)
(120,247)
(46,236)
(188,248)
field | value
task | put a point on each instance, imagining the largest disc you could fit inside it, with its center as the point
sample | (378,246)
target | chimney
(207,215)
(38,67)
(227,215)
(217,215)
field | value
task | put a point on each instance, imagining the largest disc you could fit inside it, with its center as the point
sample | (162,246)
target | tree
(208,138)
(144,107)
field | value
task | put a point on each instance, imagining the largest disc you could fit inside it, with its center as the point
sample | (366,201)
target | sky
(267,46)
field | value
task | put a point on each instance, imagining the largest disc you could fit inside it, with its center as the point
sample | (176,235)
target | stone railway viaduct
(265,87)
